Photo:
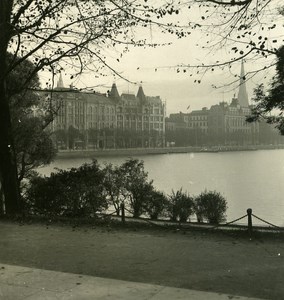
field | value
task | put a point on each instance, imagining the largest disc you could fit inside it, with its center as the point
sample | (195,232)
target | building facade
(228,125)
(221,124)
(94,120)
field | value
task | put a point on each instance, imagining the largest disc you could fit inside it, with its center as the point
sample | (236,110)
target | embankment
(166,150)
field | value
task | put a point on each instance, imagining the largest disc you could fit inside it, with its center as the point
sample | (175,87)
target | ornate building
(93,120)
(227,124)
(222,124)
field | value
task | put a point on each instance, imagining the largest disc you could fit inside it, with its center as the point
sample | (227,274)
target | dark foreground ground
(226,263)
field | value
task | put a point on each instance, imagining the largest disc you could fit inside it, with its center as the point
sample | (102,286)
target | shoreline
(164,150)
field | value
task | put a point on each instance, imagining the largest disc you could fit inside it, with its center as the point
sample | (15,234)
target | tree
(247,30)
(61,138)
(62,35)
(33,146)
(138,188)
(211,206)
(114,186)
(272,100)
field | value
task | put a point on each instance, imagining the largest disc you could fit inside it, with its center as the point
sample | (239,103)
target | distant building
(94,120)
(221,124)
(176,127)
(177,121)
(199,119)
(227,124)
(242,94)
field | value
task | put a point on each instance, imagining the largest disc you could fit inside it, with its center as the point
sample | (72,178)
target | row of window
(95,110)
(101,110)
(99,125)
(198,124)
(101,117)
(94,117)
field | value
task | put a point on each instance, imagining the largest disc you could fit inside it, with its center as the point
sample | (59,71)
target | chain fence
(268,223)
(164,223)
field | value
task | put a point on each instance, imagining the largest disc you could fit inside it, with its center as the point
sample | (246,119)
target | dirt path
(201,261)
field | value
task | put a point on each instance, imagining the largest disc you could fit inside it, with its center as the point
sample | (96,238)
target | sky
(155,69)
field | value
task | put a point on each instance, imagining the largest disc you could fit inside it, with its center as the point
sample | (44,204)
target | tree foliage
(71,193)
(114,186)
(180,206)
(58,34)
(156,204)
(272,99)
(137,186)
(75,35)
(33,145)
(211,206)
(61,35)
(92,189)
(249,30)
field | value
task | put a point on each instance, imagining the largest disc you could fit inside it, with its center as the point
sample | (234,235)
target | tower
(242,94)
(60,84)
(114,92)
(141,96)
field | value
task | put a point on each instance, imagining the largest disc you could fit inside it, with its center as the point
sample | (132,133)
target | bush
(180,206)
(156,204)
(114,186)
(75,193)
(211,206)
(137,187)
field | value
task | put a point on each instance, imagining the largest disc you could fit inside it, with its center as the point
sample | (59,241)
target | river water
(247,179)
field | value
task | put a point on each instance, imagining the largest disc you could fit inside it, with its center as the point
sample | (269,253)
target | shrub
(211,206)
(76,192)
(180,206)
(114,186)
(137,188)
(156,204)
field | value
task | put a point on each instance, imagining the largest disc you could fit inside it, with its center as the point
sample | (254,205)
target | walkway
(22,283)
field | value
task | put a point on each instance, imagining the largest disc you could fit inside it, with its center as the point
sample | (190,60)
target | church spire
(242,95)
(60,82)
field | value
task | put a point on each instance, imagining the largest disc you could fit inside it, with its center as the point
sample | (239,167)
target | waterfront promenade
(163,150)
(137,264)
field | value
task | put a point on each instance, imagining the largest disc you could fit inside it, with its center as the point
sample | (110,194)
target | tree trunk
(1,197)
(8,167)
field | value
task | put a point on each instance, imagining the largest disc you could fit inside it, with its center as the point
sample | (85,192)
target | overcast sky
(154,69)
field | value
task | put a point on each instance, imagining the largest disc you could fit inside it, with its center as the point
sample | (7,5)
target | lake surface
(247,179)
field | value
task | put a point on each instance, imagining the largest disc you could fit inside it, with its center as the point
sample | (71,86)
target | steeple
(114,92)
(242,94)
(60,84)
(140,95)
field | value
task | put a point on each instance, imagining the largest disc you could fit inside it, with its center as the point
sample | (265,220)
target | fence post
(249,212)
(122,213)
